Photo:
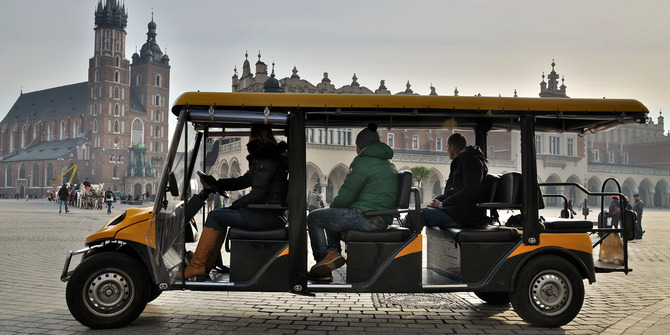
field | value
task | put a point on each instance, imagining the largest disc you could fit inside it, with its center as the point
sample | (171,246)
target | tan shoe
(325,267)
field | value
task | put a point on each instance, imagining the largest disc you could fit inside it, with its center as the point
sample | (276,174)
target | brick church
(113,127)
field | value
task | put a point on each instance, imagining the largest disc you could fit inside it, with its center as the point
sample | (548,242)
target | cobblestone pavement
(34,240)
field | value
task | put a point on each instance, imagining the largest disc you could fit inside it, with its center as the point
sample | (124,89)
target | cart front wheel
(108,290)
(549,292)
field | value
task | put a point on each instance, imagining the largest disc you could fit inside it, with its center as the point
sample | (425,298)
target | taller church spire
(111,15)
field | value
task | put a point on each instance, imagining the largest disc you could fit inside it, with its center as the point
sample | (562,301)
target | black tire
(108,290)
(549,292)
(494,298)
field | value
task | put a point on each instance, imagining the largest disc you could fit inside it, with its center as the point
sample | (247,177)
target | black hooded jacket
(463,186)
(268,179)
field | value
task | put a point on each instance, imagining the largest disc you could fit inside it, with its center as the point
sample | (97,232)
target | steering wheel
(209,182)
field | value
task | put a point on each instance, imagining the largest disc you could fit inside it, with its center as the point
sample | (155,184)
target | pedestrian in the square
(63,195)
(638,208)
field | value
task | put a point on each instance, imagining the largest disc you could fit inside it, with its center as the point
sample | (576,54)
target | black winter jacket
(268,179)
(463,186)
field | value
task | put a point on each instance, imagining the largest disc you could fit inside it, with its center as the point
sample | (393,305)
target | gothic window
(22,171)
(116,126)
(158,80)
(75,128)
(117,61)
(36,131)
(116,92)
(118,44)
(156,147)
(116,142)
(95,126)
(115,173)
(136,132)
(8,176)
(157,101)
(389,140)
(138,80)
(23,138)
(35,175)
(49,132)
(49,173)
(415,142)
(62,131)
(116,76)
(120,159)
(107,37)
(116,110)
(438,144)
(158,116)
(157,131)
(96,76)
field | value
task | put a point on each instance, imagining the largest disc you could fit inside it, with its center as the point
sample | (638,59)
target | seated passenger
(457,206)
(267,177)
(371,184)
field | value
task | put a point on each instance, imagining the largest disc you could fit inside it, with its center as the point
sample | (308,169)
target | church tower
(108,94)
(149,106)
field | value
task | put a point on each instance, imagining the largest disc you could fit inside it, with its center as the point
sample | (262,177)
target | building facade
(113,127)
(636,155)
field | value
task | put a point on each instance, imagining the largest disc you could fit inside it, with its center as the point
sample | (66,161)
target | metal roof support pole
(481,132)
(297,215)
(530,189)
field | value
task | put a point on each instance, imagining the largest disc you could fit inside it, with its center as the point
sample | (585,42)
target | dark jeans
(336,220)
(431,217)
(638,227)
(109,206)
(60,208)
(225,217)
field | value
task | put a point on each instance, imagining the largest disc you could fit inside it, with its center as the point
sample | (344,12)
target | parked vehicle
(539,266)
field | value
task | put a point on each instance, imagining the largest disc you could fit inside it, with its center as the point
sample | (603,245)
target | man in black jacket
(457,206)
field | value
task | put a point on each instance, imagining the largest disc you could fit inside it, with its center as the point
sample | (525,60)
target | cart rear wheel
(107,290)
(549,292)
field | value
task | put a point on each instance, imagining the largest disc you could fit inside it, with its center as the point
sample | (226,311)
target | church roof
(52,102)
(43,151)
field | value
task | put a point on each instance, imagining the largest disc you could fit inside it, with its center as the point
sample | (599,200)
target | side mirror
(172,185)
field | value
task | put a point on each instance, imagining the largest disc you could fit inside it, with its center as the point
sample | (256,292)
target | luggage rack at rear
(601,231)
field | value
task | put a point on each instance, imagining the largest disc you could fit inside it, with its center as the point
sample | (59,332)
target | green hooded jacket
(372,181)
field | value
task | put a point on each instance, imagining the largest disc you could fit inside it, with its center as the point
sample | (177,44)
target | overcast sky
(603,48)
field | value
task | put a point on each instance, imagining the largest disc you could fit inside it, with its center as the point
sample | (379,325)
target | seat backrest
(404,189)
(488,189)
(508,190)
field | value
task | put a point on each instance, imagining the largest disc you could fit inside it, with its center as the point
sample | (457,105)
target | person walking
(638,208)
(109,197)
(585,209)
(63,195)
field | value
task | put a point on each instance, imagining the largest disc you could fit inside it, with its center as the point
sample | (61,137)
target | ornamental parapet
(627,169)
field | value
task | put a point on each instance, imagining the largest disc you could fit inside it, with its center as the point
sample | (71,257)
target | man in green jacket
(371,184)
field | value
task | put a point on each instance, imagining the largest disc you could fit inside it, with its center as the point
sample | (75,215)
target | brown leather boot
(205,253)
(325,267)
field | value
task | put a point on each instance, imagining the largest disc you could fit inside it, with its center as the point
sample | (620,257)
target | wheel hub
(107,293)
(550,293)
